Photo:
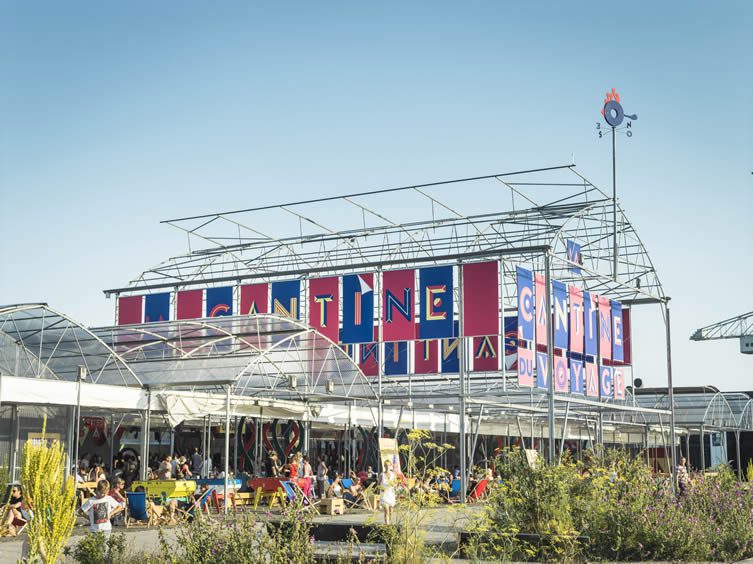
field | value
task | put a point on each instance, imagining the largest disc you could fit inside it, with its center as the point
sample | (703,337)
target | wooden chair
(478,491)
(294,494)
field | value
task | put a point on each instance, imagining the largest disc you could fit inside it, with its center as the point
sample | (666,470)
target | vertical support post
(614,204)
(549,355)
(703,449)
(564,433)
(235,446)
(227,446)
(461,381)
(502,323)
(14,440)
(670,392)
(80,377)
(147,431)
(380,353)
(113,430)
(739,458)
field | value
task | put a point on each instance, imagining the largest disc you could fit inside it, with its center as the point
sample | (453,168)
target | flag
(511,343)
(157,307)
(619,382)
(591,324)
(628,347)
(368,358)
(592,379)
(129,310)
(574,256)
(480,298)
(576,320)
(559,290)
(525,367)
(286,298)
(576,376)
(605,329)
(358,308)
(396,358)
(606,381)
(449,353)
(324,306)
(542,370)
(560,373)
(189,304)
(618,352)
(254,299)
(542,312)
(397,299)
(219,302)
(436,299)
(486,353)
(525,304)
(426,356)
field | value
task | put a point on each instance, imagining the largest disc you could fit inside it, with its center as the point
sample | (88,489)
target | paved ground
(441,525)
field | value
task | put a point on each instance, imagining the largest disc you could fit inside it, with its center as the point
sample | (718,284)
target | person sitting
(355,491)
(164,470)
(184,471)
(335,489)
(17,515)
(101,508)
(96,473)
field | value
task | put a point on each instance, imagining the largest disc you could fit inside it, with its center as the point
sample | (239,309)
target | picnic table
(166,489)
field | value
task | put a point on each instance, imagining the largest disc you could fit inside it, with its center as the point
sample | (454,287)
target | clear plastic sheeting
(39,342)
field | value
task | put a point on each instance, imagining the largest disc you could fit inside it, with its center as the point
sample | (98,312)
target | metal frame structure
(419,225)
(732,328)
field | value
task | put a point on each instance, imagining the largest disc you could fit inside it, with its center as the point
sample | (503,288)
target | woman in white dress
(387,498)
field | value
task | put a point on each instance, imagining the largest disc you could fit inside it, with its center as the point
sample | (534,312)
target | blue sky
(116,115)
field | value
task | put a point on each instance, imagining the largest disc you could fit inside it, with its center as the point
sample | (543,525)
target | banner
(219,302)
(525,367)
(397,299)
(426,356)
(388,451)
(511,343)
(592,379)
(481,298)
(525,303)
(542,315)
(605,329)
(436,302)
(449,351)
(254,299)
(577,376)
(628,347)
(358,308)
(574,256)
(560,374)
(542,370)
(368,358)
(605,380)
(486,353)
(286,298)
(396,358)
(189,304)
(591,324)
(619,382)
(129,310)
(157,307)
(324,306)
(576,320)
(617,334)
(559,291)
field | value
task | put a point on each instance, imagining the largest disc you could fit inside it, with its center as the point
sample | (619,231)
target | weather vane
(614,115)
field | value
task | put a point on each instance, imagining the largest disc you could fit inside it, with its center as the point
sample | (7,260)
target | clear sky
(114,115)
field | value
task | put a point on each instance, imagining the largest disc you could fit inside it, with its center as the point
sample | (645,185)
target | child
(101,508)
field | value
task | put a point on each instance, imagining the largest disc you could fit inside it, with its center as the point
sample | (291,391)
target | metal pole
(703,450)
(15,426)
(564,432)
(235,446)
(147,432)
(227,445)
(739,459)
(80,376)
(549,354)
(461,382)
(671,395)
(614,203)
(380,353)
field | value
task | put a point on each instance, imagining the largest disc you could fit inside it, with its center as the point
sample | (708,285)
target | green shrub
(95,548)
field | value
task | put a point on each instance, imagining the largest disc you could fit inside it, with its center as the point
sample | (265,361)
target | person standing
(682,477)
(388,498)
(100,508)
(196,462)
(321,477)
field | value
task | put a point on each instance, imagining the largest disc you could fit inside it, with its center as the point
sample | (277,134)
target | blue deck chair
(346,483)
(455,488)
(202,504)
(293,493)
(136,507)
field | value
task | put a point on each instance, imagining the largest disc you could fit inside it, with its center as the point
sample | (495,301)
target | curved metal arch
(121,363)
(559,243)
(746,424)
(720,397)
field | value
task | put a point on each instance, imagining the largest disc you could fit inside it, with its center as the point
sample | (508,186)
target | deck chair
(201,505)
(454,495)
(15,528)
(136,508)
(478,491)
(294,493)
